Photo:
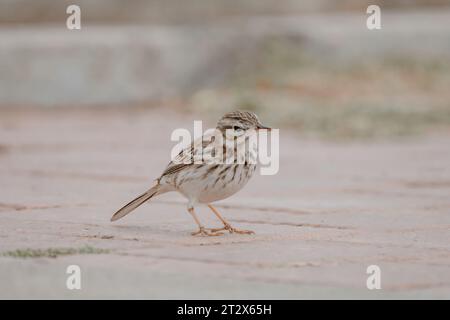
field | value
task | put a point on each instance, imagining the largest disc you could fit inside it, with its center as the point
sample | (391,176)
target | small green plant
(52,252)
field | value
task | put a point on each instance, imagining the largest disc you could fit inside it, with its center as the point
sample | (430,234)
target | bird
(204,182)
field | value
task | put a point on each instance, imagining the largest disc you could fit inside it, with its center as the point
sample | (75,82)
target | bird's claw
(206,233)
(230,229)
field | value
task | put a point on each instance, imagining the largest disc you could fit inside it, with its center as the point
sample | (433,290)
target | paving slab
(331,211)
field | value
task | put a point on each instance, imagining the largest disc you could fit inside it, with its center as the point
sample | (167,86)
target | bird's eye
(236,128)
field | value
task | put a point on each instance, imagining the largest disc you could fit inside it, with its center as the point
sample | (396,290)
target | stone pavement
(333,210)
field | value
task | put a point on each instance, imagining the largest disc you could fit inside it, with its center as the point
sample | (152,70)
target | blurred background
(312,66)
(364,115)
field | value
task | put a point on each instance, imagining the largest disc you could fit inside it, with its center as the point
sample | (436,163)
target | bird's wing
(186,156)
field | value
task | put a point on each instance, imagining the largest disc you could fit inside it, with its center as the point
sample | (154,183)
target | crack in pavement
(23,207)
(82,175)
(311,225)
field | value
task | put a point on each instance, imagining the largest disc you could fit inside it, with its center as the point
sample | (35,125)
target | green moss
(52,252)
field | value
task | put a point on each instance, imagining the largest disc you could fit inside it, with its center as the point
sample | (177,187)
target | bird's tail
(126,209)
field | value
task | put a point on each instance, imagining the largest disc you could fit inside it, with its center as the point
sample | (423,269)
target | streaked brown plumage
(208,182)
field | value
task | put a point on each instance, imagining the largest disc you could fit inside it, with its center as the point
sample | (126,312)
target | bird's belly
(219,184)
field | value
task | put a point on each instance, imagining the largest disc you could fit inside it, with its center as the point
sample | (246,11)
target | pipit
(206,181)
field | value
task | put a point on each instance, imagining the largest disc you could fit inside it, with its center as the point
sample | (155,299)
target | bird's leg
(226,225)
(201,229)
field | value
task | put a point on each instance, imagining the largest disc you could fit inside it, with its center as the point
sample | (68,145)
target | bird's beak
(263,127)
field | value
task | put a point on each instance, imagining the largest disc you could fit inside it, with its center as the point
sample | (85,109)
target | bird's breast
(215,182)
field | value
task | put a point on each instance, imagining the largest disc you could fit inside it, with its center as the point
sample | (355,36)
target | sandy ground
(331,211)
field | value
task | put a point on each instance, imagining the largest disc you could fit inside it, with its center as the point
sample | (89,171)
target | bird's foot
(230,229)
(206,232)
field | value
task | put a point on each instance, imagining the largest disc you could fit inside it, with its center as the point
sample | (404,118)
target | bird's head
(239,122)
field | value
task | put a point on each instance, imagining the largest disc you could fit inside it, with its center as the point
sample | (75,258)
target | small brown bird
(209,182)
